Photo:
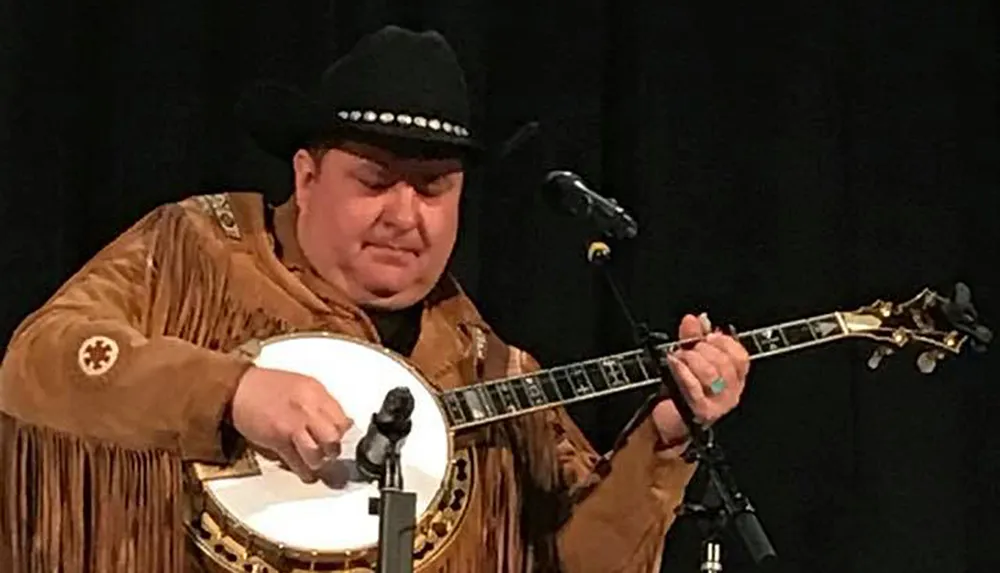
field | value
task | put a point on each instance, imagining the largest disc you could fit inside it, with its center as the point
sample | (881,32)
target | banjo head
(259,504)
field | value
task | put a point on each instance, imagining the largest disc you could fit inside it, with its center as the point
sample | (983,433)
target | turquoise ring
(717,386)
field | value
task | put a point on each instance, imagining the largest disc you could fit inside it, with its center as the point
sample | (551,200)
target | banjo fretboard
(508,397)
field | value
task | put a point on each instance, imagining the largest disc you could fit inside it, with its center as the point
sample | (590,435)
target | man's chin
(394,295)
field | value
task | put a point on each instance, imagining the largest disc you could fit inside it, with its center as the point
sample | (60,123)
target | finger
(732,347)
(308,449)
(689,384)
(704,370)
(722,362)
(691,327)
(294,461)
(327,436)
(335,414)
(339,419)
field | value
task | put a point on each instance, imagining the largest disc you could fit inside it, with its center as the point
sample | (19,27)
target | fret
(551,389)
(825,326)
(563,383)
(634,372)
(641,359)
(767,339)
(453,406)
(493,392)
(520,390)
(798,333)
(781,335)
(749,342)
(581,383)
(476,409)
(595,375)
(613,372)
(534,390)
(488,404)
(507,398)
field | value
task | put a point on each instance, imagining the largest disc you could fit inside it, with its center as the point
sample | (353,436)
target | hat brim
(282,120)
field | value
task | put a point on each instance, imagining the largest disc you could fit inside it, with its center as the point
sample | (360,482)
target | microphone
(566,190)
(388,426)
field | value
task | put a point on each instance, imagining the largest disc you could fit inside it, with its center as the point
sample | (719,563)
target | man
(127,373)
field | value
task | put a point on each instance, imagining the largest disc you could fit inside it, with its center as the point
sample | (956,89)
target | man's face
(377,226)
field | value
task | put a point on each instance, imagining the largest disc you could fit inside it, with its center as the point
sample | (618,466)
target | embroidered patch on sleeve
(97,355)
(219,206)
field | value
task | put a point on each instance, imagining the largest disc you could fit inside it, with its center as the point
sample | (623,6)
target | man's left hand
(711,376)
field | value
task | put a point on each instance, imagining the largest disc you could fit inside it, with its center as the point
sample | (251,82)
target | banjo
(254,516)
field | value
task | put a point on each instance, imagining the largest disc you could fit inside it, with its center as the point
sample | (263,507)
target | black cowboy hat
(398,87)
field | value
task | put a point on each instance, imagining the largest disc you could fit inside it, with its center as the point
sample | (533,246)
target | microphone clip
(566,191)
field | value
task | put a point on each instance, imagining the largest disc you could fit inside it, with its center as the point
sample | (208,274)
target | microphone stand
(396,508)
(723,503)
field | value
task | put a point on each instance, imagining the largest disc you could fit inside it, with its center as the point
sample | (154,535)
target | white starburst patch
(97,355)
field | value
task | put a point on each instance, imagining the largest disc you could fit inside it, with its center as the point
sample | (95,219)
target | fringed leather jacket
(124,376)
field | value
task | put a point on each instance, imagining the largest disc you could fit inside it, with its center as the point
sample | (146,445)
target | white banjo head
(331,516)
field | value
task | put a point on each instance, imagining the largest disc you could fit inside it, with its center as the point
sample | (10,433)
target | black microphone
(567,191)
(388,426)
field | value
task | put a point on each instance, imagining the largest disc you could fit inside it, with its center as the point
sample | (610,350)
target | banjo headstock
(941,326)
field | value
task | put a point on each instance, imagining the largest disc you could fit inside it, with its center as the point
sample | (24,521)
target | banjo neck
(940,325)
(495,400)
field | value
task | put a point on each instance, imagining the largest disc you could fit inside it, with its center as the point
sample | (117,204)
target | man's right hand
(292,416)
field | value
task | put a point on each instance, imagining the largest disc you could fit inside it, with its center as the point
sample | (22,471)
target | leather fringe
(542,496)
(497,545)
(501,532)
(507,524)
(72,505)
(208,314)
(518,516)
(75,506)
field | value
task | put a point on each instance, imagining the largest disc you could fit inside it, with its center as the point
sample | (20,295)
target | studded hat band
(387,118)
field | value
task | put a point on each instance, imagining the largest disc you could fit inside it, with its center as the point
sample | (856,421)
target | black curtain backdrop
(783,160)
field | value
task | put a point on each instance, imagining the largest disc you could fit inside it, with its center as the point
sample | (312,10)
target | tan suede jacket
(123,378)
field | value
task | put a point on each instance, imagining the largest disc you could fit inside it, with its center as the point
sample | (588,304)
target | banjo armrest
(245,466)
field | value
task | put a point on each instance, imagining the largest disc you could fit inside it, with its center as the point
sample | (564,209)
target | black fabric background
(783,160)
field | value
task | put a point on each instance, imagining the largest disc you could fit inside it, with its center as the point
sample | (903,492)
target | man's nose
(403,203)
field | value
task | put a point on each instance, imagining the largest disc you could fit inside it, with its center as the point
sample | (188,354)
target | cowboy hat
(395,86)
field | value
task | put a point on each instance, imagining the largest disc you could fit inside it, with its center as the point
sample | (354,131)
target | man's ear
(306,171)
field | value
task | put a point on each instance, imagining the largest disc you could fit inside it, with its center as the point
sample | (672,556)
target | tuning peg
(876,358)
(963,316)
(927,361)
